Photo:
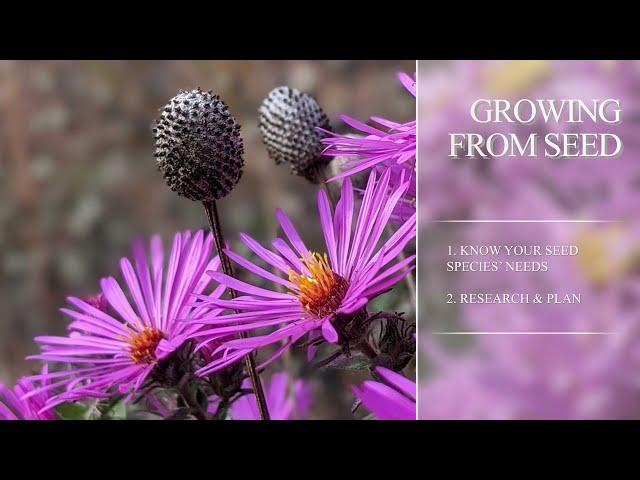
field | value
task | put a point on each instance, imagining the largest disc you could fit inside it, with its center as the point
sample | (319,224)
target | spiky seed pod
(288,122)
(198,146)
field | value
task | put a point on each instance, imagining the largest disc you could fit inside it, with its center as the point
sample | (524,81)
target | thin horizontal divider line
(525,221)
(521,333)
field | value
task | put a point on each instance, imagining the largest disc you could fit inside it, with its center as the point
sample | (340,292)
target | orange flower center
(143,345)
(320,293)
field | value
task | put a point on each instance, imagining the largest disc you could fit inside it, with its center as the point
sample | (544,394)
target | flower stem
(216,228)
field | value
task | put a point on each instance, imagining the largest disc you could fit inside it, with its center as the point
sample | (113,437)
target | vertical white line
(416,309)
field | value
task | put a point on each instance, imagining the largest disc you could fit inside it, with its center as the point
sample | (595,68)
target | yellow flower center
(143,345)
(603,255)
(320,293)
(514,77)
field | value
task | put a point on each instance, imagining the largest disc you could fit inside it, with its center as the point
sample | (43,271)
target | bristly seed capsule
(288,122)
(198,146)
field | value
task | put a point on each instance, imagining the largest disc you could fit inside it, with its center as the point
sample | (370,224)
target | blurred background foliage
(78,180)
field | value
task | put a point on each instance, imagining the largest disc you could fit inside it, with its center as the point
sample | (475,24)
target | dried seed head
(198,146)
(288,122)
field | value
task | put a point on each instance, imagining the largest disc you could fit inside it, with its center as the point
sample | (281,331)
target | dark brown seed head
(198,146)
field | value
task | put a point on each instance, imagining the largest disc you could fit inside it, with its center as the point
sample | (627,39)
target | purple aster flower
(406,206)
(119,348)
(395,399)
(387,144)
(285,401)
(13,407)
(326,290)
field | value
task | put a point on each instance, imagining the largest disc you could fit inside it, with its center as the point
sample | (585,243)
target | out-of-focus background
(78,179)
(516,375)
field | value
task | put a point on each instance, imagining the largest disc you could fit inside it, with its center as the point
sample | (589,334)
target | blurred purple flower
(321,288)
(98,301)
(393,148)
(395,399)
(544,376)
(285,401)
(540,376)
(14,407)
(119,351)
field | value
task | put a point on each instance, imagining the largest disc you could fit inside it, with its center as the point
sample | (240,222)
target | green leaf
(73,411)
(355,362)
(117,412)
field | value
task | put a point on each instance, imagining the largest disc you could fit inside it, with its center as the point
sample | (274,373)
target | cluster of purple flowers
(171,334)
(388,146)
